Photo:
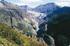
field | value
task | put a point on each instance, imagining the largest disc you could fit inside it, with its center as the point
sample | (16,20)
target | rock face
(9,13)
(17,17)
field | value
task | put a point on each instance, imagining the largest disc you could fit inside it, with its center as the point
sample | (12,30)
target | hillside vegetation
(11,37)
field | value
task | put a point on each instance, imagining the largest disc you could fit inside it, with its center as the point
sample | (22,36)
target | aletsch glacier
(38,22)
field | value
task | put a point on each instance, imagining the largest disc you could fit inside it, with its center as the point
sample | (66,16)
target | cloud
(30,3)
(63,3)
(34,3)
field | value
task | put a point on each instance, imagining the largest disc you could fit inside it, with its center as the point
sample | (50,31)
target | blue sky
(34,3)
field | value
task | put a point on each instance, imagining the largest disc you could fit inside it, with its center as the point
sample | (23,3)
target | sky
(34,3)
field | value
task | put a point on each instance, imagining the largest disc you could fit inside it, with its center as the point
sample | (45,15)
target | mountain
(17,17)
(17,26)
(64,10)
(59,26)
(9,12)
(5,4)
(46,8)
(54,15)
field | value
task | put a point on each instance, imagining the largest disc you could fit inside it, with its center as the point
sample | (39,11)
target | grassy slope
(5,42)
(15,38)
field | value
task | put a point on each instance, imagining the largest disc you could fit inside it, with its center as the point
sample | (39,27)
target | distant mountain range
(46,8)
(50,9)
(64,10)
